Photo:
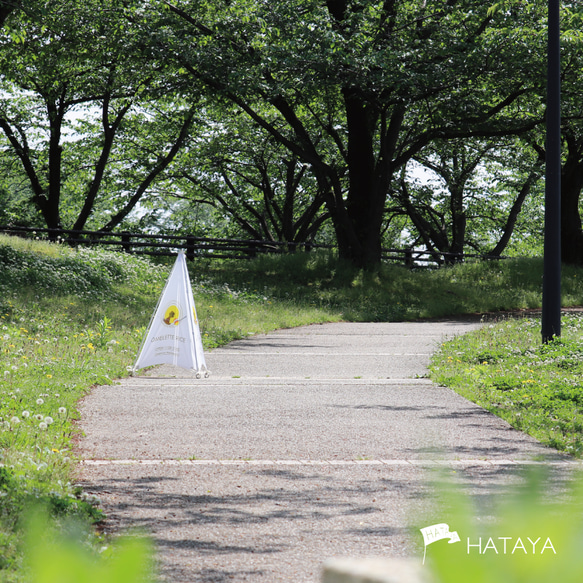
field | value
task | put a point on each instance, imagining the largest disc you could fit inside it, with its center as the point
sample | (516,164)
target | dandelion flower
(39,401)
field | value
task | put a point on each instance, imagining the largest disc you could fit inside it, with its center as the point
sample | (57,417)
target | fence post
(125,242)
(190,247)
(409,258)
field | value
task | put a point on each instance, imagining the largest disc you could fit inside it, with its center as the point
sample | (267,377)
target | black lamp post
(551,311)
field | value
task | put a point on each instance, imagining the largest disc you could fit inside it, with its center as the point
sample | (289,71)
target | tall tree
(81,63)
(475,201)
(379,79)
(572,133)
(261,188)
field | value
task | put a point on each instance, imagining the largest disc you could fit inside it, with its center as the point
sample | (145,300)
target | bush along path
(56,342)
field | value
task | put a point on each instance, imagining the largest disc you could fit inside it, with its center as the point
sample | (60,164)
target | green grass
(393,292)
(71,319)
(537,388)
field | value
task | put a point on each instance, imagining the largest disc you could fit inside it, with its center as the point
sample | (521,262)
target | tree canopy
(287,116)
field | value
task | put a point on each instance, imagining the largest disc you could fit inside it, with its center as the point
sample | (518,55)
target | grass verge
(537,388)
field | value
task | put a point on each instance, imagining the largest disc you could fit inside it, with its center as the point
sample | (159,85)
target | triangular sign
(173,336)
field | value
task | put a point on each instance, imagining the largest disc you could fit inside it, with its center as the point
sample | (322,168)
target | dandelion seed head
(39,401)
(42,425)
(25,414)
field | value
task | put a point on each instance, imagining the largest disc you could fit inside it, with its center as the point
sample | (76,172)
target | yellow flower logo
(171,315)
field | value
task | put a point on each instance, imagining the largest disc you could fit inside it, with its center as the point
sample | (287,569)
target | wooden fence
(215,248)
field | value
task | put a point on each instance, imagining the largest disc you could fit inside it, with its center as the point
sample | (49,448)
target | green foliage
(77,102)
(536,387)
(451,203)
(252,117)
(63,556)
(255,186)
(540,520)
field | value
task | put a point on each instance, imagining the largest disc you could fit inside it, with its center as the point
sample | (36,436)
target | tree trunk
(533,177)
(5,9)
(359,233)
(571,186)
(458,220)
(50,207)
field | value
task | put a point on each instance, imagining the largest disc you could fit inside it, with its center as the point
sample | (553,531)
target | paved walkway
(303,444)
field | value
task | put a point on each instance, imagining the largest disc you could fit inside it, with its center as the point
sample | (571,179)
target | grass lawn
(71,319)
(537,388)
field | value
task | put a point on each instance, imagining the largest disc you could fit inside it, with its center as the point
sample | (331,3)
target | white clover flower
(48,420)
(39,401)
(42,425)
(25,414)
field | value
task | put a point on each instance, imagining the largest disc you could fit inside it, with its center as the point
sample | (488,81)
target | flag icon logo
(437,532)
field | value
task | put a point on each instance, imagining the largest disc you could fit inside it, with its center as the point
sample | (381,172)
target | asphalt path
(303,444)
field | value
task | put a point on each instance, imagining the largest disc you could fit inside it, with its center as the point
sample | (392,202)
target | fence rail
(217,248)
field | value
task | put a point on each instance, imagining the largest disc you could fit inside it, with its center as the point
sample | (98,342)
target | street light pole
(551,310)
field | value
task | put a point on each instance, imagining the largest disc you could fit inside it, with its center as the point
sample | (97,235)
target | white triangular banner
(173,336)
